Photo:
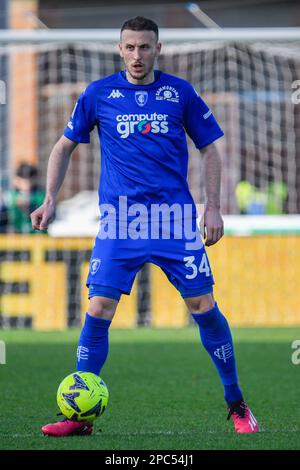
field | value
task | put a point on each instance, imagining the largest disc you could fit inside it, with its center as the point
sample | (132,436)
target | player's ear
(158,49)
(120,49)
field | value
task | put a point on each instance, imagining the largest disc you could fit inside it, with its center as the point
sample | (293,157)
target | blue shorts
(115,263)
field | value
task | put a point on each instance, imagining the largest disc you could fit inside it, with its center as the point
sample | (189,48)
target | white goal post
(167,35)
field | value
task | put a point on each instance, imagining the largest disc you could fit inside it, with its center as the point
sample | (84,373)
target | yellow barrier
(256,279)
(46,301)
(47,296)
(256,283)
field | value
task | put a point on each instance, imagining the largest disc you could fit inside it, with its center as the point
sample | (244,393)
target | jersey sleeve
(199,122)
(83,118)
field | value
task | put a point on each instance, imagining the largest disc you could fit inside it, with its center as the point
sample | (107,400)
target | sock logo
(224,352)
(82,353)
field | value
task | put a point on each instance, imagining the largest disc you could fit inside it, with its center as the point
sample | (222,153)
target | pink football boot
(243,419)
(66,427)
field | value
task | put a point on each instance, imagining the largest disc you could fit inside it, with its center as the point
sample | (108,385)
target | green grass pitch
(164,390)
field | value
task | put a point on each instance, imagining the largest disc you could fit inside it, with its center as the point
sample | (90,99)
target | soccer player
(142,115)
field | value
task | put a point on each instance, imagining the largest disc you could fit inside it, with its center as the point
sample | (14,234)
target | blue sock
(92,348)
(216,338)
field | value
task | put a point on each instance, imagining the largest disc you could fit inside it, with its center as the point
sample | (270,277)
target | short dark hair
(139,23)
(26,171)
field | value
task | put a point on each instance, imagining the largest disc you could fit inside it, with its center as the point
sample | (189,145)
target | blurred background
(168,14)
(244,60)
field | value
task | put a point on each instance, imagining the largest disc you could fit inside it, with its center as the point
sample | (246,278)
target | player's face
(139,49)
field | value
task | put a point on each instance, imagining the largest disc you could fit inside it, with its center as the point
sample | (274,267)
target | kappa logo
(95,265)
(116,94)
(167,93)
(141,97)
(224,352)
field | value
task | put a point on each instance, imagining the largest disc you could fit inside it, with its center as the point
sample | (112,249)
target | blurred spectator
(254,201)
(3,215)
(277,196)
(25,196)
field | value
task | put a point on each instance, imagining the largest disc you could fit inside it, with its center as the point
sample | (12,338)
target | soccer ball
(82,396)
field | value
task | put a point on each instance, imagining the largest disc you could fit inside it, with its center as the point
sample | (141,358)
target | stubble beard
(140,77)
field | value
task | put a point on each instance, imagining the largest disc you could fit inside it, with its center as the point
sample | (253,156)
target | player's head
(139,47)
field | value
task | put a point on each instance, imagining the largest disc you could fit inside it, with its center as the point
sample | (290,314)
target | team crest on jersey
(167,93)
(95,265)
(141,97)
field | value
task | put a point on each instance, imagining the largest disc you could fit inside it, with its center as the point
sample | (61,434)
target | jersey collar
(157,77)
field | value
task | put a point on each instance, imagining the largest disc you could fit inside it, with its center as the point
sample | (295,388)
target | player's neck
(149,78)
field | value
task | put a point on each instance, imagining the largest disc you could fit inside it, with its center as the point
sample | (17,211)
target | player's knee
(102,307)
(200,304)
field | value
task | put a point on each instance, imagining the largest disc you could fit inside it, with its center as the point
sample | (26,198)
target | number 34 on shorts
(194,270)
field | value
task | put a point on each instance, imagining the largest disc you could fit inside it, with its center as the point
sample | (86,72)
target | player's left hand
(213,226)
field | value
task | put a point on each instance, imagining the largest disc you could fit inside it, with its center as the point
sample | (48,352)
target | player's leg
(189,270)
(216,338)
(113,267)
(92,351)
(93,342)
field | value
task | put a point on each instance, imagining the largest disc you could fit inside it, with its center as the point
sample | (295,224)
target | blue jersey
(144,153)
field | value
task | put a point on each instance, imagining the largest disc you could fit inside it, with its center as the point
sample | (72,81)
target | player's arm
(57,167)
(201,125)
(213,222)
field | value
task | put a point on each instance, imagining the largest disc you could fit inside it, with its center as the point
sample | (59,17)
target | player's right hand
(43,216)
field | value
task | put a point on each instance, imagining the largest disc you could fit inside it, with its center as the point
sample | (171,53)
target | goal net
(251,87)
